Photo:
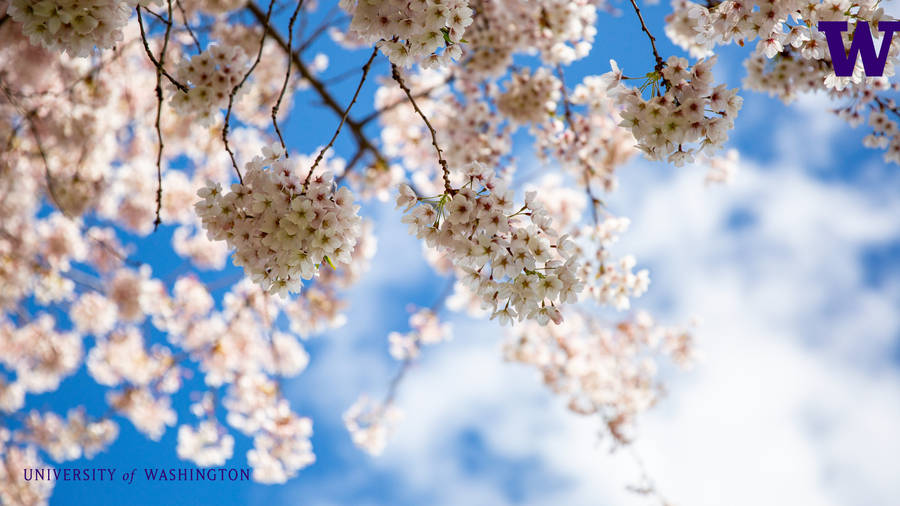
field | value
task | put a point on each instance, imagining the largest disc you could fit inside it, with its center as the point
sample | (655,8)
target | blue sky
(793,270)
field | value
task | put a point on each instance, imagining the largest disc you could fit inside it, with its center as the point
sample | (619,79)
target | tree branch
(187,25)
(422,94)
(362,80)
(355,127)
(567,108)
(659,61)
(287,76)
(160,71)
(237,87)
(156,63)
(395,73)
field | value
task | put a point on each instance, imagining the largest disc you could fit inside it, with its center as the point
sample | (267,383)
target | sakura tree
(120,119)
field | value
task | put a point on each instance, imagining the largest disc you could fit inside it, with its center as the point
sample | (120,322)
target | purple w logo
(862,45)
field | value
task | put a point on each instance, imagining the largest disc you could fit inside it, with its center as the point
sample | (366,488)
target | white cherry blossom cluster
(468,129)
(282,227)
(94,159)
(792,56)
(609,281)
(722,169)
(785,78)
(281,445)
(410,32)
(61,241)
(13,489)
(74,26)
(214,6)
(211,77)
(207,443)
(77,193)
(39,354)
(777,25)
(589,144)
(150,413)
(426,328)
(371,423)
(606,370)
(512,258)
(67,438)
(122,357)
(613,282)
(562,31)
(691,116)
(530,98)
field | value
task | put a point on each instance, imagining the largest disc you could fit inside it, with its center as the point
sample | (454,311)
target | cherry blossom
(129,126)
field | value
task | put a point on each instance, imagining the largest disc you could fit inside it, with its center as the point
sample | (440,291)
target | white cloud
(795,403)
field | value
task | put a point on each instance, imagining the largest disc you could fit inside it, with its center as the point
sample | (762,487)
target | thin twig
(567,108)
(326,23)
(362,80)
(117,52)
(395,73)
(156,63)
(350,165)
(187,25)
(409,361)
(28,117)
(393,105)
(159,102)
(158,16)
(287,76)
(886,107)
(647,485)
(340,77)
(659,60)
(355,127)
(237,87)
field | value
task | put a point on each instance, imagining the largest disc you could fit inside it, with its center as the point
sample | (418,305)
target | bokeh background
(793,269)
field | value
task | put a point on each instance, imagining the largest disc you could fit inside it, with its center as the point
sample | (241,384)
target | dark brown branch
(355,127)
(28,117)
(659,61)
(326,24)
(237,87)
(159,101)
(47,176)
(422,94)
(187,25)
(158,16)
(340,77)
(886,106)
(362,80)
(395,73)
(157,63)
(287,76)
(350,165)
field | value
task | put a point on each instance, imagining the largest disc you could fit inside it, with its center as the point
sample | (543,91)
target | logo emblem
(862,45)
